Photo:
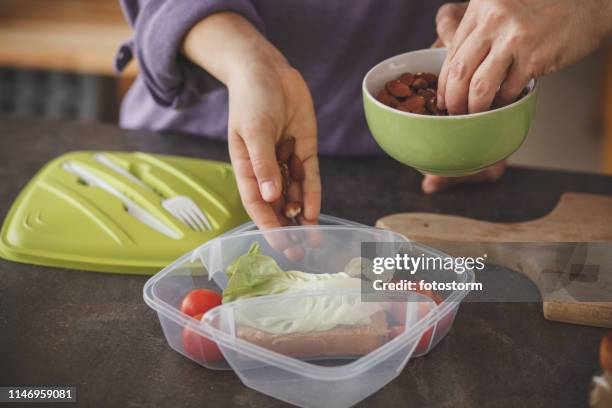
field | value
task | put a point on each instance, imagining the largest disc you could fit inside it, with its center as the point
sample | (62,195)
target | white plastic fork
(181,207)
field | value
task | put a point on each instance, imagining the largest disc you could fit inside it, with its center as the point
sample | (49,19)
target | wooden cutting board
(578,231)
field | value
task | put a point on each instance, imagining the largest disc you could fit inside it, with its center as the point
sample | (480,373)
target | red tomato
(430,295)
(398,313)
(423,345)
(199,347)
(398,309)
(447,321)
(200,301)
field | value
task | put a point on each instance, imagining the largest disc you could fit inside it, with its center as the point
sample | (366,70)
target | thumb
(259,139)
(432,184)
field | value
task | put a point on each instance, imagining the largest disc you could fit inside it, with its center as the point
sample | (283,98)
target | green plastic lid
(61,220)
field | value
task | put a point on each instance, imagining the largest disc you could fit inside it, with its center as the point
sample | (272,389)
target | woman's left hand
(447,21)
(500,45)
(497,46)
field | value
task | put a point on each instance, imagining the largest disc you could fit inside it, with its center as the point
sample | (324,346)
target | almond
(427,93)
(416,93)
(419,83)
(285,149)
(432,79)
(285,175)
(432,106)
(414,104)
(387,99)
(292,209)
(407,78)
(296,168)
(294,191)
(398,89)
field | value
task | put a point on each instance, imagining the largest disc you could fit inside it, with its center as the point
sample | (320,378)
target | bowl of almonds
(399,97)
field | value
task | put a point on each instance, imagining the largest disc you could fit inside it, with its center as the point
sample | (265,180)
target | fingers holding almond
(292,175)
(416,93)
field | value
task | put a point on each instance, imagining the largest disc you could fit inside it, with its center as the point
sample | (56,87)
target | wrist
(607,6)
(600,17)
(255,59)
(228,46)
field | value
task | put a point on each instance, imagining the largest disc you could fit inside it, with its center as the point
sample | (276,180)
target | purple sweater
(333,43)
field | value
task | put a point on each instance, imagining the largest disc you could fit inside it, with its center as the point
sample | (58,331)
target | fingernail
(268,190)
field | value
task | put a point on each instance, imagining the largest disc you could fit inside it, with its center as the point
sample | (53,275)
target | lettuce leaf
(254,274)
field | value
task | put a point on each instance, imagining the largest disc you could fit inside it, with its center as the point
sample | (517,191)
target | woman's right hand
(269,101)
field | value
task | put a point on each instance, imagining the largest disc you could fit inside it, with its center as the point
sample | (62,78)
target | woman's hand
(268,102)
(500,45)
(432,184)
(497,46)
(447,21)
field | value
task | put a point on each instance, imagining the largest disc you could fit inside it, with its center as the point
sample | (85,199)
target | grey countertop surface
(93,330)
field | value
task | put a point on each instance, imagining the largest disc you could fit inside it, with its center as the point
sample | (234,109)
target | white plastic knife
(133,209)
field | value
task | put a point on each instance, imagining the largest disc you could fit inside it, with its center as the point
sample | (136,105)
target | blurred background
(56,61)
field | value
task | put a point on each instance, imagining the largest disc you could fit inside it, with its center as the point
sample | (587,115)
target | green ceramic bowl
(443,145)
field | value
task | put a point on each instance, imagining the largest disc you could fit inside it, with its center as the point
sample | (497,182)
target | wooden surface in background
(607,112)
(577,218)
(72,35)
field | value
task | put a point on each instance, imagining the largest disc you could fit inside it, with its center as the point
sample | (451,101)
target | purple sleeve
(159,28)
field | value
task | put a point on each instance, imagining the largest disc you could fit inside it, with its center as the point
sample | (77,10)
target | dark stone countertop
(94,331)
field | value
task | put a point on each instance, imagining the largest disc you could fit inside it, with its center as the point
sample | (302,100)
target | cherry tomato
(398,313)
(199,347)
(398,309)
(200,301)
(423,345)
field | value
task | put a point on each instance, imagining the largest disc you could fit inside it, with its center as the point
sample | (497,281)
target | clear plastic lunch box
(305,369)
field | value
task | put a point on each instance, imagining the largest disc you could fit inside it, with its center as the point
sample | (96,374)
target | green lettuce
(254,274)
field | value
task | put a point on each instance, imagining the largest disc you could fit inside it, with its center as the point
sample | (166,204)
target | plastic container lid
(58,220)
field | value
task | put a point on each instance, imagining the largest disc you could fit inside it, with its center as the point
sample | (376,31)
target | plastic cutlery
(181,207)
(108,162)
(133,209)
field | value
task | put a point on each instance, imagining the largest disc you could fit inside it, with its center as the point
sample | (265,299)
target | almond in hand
(285,175)
(285,149)
(292,209)
(296,168)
